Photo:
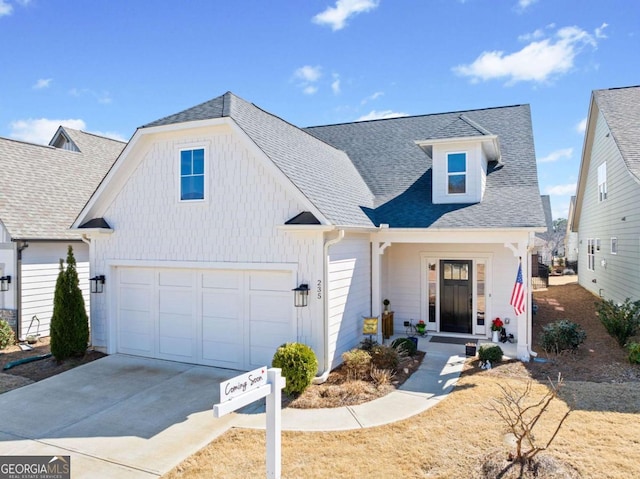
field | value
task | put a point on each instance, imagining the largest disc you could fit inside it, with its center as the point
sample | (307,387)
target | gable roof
(621,110)
(369,173)
(399,173)
(321,172)
(43,188)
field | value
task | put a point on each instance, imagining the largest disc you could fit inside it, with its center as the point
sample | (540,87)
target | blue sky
(109,66)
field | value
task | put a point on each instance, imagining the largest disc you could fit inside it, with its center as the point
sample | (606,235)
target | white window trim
(457,173)
(591,256)
(614,240)
(602,182)
(188,147)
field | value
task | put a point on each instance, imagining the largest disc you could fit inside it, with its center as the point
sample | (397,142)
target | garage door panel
(222,279)
(136,343)
(176,302)
(221,304)
(176,278)
(136,276)
(222,354)
(275,307)
(270,281)
(135,298)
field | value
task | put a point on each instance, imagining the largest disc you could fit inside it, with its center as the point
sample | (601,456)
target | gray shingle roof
(621,109)
(322,173)
(373,172)
(42,189)
(399,173)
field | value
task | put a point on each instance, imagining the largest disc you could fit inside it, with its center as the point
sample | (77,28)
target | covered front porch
(457,283)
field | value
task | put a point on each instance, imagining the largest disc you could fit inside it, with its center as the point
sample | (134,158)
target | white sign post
(249,387)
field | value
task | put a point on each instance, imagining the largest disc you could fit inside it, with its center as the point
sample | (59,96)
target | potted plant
(386,303)
(421,327)
(496,328)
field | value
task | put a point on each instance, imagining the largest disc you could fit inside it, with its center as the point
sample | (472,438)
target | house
(571,238)
(544,244)
(213,215)
(606,216)
(42,190)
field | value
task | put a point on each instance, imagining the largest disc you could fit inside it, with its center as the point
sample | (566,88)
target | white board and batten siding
(349,291)
(227,318)
(615,276)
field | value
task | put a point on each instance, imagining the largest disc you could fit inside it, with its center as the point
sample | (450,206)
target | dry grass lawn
(600,439)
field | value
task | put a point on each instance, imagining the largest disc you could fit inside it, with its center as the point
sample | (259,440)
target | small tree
(521,413)
(621,321)
(69,322)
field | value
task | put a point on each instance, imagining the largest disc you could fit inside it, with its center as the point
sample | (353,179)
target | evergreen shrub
(299,366)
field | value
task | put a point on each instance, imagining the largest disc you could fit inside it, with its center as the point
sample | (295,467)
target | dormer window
(456,173)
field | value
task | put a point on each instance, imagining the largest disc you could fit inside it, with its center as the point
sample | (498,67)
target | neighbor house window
(456,173)
(192,174)
(602,182)
(591,254)
(614,245)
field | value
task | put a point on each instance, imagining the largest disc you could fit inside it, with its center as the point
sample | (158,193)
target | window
(597,244)
(456,173)
(192,174)
(614,245)
(602,182)
(591,254)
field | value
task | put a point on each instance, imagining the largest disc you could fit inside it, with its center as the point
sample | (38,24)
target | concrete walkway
(129,417)
(435,378)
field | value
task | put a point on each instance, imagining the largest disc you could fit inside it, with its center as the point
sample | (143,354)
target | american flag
(517,296)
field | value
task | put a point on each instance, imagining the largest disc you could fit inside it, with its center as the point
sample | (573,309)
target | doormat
(446,340)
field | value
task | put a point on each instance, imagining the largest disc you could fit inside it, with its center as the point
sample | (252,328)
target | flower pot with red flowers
(421,327)
(496,327)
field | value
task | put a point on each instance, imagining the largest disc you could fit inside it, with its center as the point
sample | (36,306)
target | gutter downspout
(325,304)
(532,353)
(21,245)
(87,241)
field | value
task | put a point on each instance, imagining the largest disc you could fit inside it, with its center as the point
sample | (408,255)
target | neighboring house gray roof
(42,188)
(548,216)
(372,172)
(621,110)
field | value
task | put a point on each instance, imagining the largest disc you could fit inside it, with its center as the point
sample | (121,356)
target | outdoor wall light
(5,281)
(97,283)
(300,296)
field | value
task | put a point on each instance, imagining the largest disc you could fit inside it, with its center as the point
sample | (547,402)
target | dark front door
(456,297)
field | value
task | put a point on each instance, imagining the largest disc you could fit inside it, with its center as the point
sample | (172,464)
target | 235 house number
(319,289)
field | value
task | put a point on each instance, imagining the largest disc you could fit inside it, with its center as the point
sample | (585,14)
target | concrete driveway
(119,416)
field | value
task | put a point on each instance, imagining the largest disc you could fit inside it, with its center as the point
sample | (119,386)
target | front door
(456,296)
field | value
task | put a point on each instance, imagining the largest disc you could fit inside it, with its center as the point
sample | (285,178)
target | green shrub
(490,352)
(69,323)
(561,336)
(357,363)
(384,357)
(367,344)
(7,338)
(299,366)
(634,353)
(620,320)
(404,346)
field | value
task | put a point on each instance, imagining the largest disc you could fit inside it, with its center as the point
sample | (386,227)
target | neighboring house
(571,237)
(544,244)
(42,190)
(606,214)
(212,216)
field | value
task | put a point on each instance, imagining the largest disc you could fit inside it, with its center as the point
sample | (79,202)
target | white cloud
(5,8)
(42,83)
(307,77)
(308,73)
(564,153)
(373,97)
(561,190)
(335,85)
(581,127)
(522,4)
(41,130)
(600,31)
(381,115)
(101,97)
(336,17)
(538,61)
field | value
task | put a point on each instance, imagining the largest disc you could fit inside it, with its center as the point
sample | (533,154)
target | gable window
(614,245)
(456,173)
(602,182)
(192,174)
(591,254)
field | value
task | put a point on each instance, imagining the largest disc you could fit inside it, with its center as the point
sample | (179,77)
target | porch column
(523,321)
(377,250)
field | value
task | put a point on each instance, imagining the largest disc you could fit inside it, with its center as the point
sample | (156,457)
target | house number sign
(319,289)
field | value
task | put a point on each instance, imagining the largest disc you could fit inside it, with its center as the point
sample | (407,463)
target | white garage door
(226,318)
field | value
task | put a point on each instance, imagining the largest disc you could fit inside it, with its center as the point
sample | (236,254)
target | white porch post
(377,250)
